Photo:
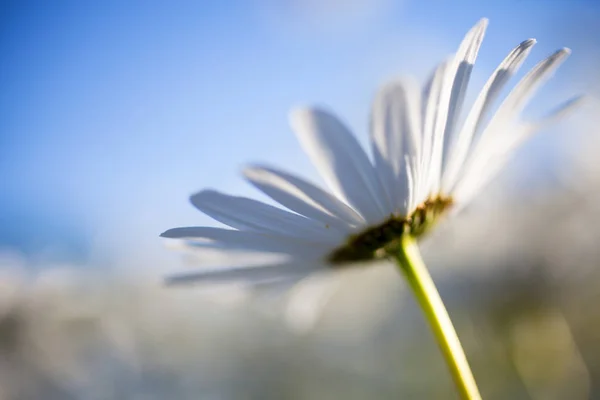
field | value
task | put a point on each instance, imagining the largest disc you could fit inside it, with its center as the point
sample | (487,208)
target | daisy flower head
(424,163)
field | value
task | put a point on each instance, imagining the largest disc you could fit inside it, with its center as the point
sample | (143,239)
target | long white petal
(463,65)
(209,254)
(303,197)
(527,87)
(501,128)
(240,240)
(517,99)
(436,95)
(465,59)
(411,176)
(485,169)
(447,98)
(247,214)
(498,151)
(341,161)
(255,274)
(460,146)
(560,112)
(395,135)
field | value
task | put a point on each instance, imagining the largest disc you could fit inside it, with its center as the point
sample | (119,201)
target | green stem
(416,273)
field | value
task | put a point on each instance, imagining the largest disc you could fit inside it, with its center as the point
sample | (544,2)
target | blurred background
(112,113)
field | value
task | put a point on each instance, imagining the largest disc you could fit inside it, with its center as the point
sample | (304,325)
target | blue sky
(113,112)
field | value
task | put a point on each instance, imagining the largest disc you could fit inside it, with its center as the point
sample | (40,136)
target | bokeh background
(113,112)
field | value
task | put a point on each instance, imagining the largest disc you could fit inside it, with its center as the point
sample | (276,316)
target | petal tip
(175,280)
(299,114)
(578,100)
(167,234)
(482,24)
(205,199)
(251,172)
(202,194)
(306,119)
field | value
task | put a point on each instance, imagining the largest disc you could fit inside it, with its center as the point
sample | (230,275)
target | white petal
(527,87)
(446,102)
(554,116)
(411,178)
(255,274)
(436,95)
(472,183)
(207,254)
(240,240)
(463,65)
(517,99)
(460,146)
(482,172)
(395,136)
(503,149)
(464,61)
(247,214)
(516,134)
(341,161)
(303,197)
(500,134)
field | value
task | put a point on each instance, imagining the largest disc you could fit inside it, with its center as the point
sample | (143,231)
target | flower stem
(416,273)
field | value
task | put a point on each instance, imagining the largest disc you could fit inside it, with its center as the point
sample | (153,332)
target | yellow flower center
(378,241)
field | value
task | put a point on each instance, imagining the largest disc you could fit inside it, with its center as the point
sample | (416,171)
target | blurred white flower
(424,164)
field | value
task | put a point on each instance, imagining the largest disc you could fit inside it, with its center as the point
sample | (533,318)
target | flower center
(378,241)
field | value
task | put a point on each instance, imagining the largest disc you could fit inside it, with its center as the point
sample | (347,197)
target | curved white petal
(517,99)
(501,134)
(395,136)
(460,146)
(501,151)
(341,161)
(240,240)
(527,87)
(247,214)
(254,274)
(446,97)
(464,61)
(463,65)
(560,112)
(303,197)
(209,254)
(436,96)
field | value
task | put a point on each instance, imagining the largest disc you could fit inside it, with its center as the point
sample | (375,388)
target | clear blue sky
(113,112)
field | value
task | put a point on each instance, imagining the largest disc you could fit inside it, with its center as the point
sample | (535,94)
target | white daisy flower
(424,164)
